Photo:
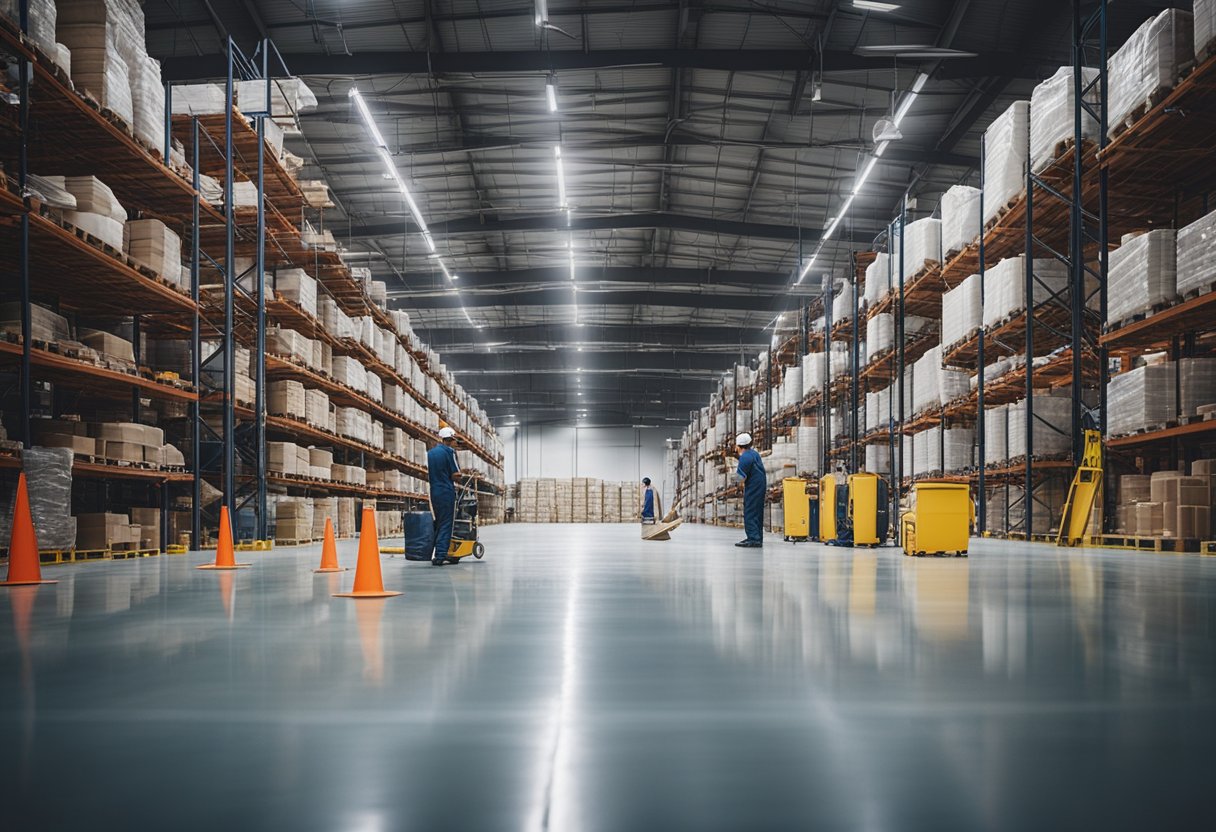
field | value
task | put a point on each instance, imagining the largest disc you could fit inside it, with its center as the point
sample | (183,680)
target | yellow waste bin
(940,522)
(796,502)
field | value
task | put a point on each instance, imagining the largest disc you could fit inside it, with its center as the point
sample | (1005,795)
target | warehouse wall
(603,453)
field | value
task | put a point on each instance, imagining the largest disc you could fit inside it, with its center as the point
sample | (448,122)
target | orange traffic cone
(23,566)
(368,581)
(225,557)
(329,550)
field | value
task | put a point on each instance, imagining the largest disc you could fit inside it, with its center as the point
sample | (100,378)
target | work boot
(438,561)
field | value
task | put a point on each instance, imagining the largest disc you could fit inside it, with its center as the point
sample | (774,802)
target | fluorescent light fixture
(367,118)
(466,314)
(561,176)
(542,12)
(873,6)
(817,90)
(918,50)
(865,174)
(430,241)
(551,94)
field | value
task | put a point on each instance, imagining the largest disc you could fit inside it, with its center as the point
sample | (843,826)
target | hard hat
(446,433)
(743,440)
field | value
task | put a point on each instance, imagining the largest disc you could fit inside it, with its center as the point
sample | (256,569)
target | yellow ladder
(1083,494)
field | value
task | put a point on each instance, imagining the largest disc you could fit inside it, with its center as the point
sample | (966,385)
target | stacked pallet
(576,500)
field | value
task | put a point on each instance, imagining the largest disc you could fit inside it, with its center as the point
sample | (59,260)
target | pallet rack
(79,274)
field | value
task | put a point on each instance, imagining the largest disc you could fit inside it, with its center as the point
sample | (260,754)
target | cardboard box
(100,531)
(1194,491)
(281,457)
(121,451)
(45,325)
(1194,522)
(148,520)
(1163,486)
(1135,488)
(320,456)
(286,398)
(79,444)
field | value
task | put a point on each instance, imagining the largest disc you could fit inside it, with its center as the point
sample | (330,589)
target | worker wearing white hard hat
(755,487)
(442,471)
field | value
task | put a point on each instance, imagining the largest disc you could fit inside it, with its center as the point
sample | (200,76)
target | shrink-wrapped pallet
(880,333)
(1142,398)
(810,453)
(148,101)
(996,434)
(1052,115)
(198,99)
(1052,427)
(878,279)
(1205,28)
(878,458)
(922,245)
(1148,64)
(958,450)
(962,312)
(929,451)
(842,304)
(298,287)
(1142,274)
(960,218)
(48,479)
(1005,151)
(99,67)
(287,97)
(1196,261)
(1005,287)
(1197,380)
(792,385)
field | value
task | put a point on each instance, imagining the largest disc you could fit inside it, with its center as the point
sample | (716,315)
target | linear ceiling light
(900,112)
(551,93)
(561,176)
(873,6)
(542,12)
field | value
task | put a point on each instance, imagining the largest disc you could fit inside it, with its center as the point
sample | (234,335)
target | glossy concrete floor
(578,679)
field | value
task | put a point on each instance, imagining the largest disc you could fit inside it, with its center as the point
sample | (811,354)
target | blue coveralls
(755,486)
(440,466)
(648,503)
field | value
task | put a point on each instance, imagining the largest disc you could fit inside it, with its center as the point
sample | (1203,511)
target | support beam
(420,63)
(659,277)
(613,222)
(589,297)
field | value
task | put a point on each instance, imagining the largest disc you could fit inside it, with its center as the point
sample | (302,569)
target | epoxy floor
(579,679)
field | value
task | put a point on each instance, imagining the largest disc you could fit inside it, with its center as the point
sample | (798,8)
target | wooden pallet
(129,554)
(1138,543)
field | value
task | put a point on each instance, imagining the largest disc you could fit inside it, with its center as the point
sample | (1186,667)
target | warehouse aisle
(579,679)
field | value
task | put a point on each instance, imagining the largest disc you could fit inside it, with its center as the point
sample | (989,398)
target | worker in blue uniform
(647,501)
(442,469)
(755,487)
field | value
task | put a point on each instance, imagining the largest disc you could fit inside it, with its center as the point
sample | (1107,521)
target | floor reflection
(578,678)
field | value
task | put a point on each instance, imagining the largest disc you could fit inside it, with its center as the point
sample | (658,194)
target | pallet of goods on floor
(353,397)
(575,500)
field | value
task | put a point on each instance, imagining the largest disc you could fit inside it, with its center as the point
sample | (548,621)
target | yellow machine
(1083,494)
(796,501)
(867,509)
(828,486)
(940,520)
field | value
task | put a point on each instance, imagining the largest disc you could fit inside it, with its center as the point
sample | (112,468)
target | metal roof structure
(706,145)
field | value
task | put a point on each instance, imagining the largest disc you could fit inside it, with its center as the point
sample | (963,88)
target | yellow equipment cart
(801,519)
(940,520)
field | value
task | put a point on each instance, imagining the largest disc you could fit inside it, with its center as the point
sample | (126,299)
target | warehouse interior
(385,387)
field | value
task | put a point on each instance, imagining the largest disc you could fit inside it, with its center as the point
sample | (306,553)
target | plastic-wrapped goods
(933,385)
(922,245)
(958,450)
(810,453)
(1142,273)
(1197,256)
(878,279)
(1197,377)
(48,476)
(92,196)
(1147,64)
(996,434)
(42,19)
(878,409)
(1005,287)
(878,458)
(1052,114)
(298,287)
(929,451)
(198,99)
(1205,28)
(842,304)
(316,408)
(148,102)
(960,218)
(962,312)
(880,333)
(792,386)
(1144,397)
(1005,151)
(288,97)
(1052,427)
(98,67)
